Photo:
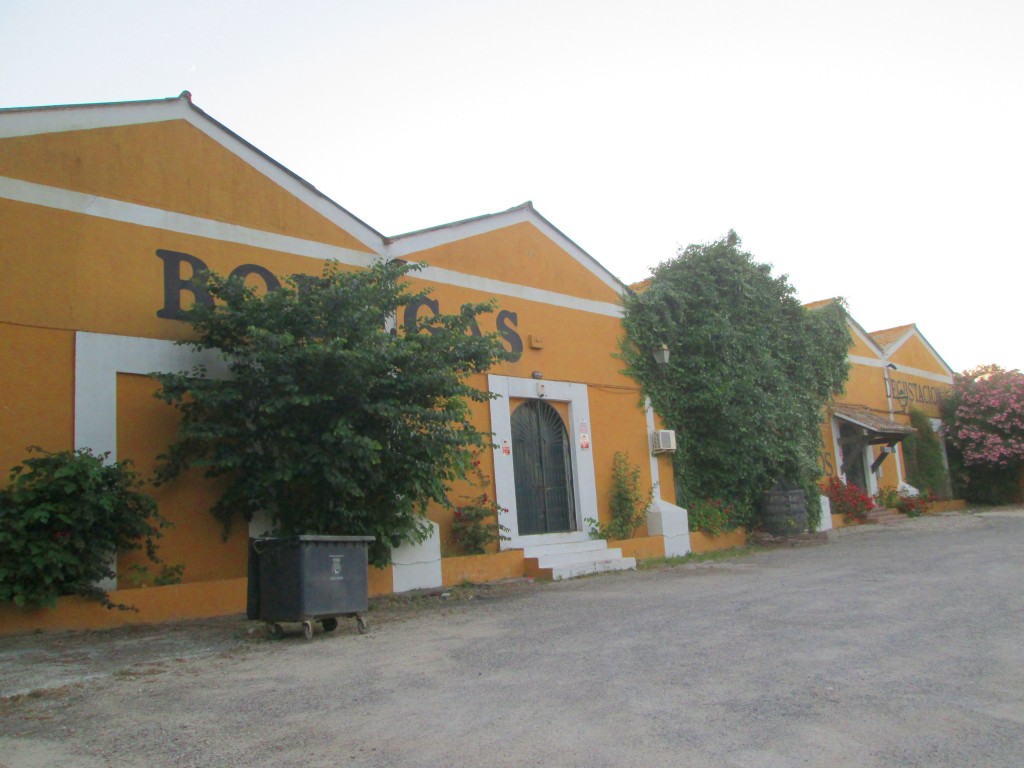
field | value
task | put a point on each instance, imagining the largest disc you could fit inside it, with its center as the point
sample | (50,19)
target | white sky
(871,150)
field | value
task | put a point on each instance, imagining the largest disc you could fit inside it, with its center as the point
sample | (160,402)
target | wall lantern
(661,354)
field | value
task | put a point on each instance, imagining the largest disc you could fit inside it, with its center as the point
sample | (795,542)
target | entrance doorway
(852,443)
(542,462)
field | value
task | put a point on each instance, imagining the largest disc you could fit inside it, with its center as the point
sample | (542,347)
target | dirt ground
(886,646)
(35,665)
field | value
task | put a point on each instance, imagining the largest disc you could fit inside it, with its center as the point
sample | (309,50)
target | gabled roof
(403,245)
(26,121)
(891,339)
(891,336)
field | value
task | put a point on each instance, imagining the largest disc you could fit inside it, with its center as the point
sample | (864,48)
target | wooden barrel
(784,510)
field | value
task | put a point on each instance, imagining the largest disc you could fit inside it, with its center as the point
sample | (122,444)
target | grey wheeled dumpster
(308,579)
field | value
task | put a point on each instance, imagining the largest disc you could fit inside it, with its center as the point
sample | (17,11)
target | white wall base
(671,522)
(908,489)
(826,514)
(418,566)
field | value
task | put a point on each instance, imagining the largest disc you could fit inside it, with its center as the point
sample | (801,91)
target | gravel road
(892,645)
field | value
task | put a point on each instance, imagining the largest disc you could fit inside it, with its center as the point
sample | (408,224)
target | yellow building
(891,372)
(107,212)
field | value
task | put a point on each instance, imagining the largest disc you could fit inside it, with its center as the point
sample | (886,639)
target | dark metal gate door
(542,457)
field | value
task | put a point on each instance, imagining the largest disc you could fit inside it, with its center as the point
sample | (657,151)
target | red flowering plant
(914,506)
(910,505)
(475,524)
(847,500)
(711,516)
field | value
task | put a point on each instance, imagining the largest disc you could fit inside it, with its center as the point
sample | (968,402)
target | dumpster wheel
(330,624)
(276,630)
(361,625)
(307,630)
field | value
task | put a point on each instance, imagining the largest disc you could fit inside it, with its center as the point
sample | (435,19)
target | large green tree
(331,421)
(750,370)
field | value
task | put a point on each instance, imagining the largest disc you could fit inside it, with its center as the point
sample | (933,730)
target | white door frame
(583,477)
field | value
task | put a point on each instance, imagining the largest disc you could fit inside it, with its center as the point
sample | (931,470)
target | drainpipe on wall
(900,480)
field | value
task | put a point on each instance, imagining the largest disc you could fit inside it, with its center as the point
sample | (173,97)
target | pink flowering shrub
(985,417)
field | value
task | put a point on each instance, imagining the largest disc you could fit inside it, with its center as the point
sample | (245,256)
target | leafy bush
(711,516)
(847,500)
(332,423)
(475,525)
(629,504)
(911,506)
(63,518)
(749,373)
(914,506)
(812,495)
(887,498)
(926,468)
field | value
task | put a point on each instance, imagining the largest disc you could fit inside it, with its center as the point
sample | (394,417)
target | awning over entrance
(875,429)
(881,430)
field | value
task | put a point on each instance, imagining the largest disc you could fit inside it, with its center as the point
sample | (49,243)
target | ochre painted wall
(36,391)
(912,359)
(66,271)
(71,271)
(145,427)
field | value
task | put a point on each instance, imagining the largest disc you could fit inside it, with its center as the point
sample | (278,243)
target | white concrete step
(566,559)
(572,570)
(568,547)
(581,556)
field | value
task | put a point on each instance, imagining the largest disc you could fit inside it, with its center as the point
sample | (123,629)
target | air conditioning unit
(663,440)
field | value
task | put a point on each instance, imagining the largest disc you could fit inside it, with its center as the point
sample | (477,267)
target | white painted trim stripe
(891,350)
(500,287)
(924,374)
(873,363)
(99,357)
(184,224)
(140,215)
(416,242)
(33,122)
(864,336)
